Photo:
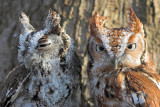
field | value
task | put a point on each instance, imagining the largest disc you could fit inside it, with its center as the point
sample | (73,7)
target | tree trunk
(75,16)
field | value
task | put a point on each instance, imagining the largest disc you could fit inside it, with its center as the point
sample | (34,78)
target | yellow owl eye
(132,46)
(99,48)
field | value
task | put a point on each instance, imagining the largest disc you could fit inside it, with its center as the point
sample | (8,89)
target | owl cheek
(131,61)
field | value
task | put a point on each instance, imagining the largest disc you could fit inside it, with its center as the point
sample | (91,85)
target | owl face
(115,48)
(40,46)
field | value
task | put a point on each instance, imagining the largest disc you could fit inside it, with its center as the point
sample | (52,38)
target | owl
(49,70)
(120,69)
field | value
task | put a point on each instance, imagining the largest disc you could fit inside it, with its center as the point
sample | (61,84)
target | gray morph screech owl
(121,71)
(50,71)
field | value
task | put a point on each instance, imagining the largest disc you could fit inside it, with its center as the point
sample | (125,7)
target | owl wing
(144,88)
(131,88)
(13,84)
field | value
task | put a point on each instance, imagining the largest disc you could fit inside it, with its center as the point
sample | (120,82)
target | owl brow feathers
(25,26)
(53,23)
(134,23)
(97,23)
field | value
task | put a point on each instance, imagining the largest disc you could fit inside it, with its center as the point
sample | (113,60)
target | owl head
(44,46)
(114,48)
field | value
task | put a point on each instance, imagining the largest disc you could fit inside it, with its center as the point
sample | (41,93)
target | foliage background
(75,16)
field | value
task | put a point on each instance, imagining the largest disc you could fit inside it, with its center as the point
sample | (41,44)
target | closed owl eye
(132,46)
(99,48)
(44,45)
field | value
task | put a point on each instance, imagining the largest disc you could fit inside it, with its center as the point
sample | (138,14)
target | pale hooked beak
(116,64)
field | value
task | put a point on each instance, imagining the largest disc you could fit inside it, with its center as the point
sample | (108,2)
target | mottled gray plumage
(50,71)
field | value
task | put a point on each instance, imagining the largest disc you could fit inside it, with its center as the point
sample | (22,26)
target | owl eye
(44,45)
(99,48)
(132,46)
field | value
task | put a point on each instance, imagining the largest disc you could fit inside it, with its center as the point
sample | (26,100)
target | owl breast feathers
(49,75)
(120,69)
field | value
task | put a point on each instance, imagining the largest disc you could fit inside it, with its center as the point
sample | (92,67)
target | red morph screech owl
(120,69)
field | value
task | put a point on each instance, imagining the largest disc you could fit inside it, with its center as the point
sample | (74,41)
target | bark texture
(75,16)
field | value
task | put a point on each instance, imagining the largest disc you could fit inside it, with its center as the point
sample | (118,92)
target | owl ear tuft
(53,23)
(96,23)
(25,25)
(134,23)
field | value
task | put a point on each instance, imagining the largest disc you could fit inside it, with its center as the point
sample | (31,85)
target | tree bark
(75,16)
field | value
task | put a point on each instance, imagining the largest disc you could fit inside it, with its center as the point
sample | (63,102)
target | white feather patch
(135,98)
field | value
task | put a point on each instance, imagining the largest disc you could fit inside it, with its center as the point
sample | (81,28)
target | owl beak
(116,64)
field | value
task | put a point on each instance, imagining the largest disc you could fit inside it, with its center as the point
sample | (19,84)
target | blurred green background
(75,16)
